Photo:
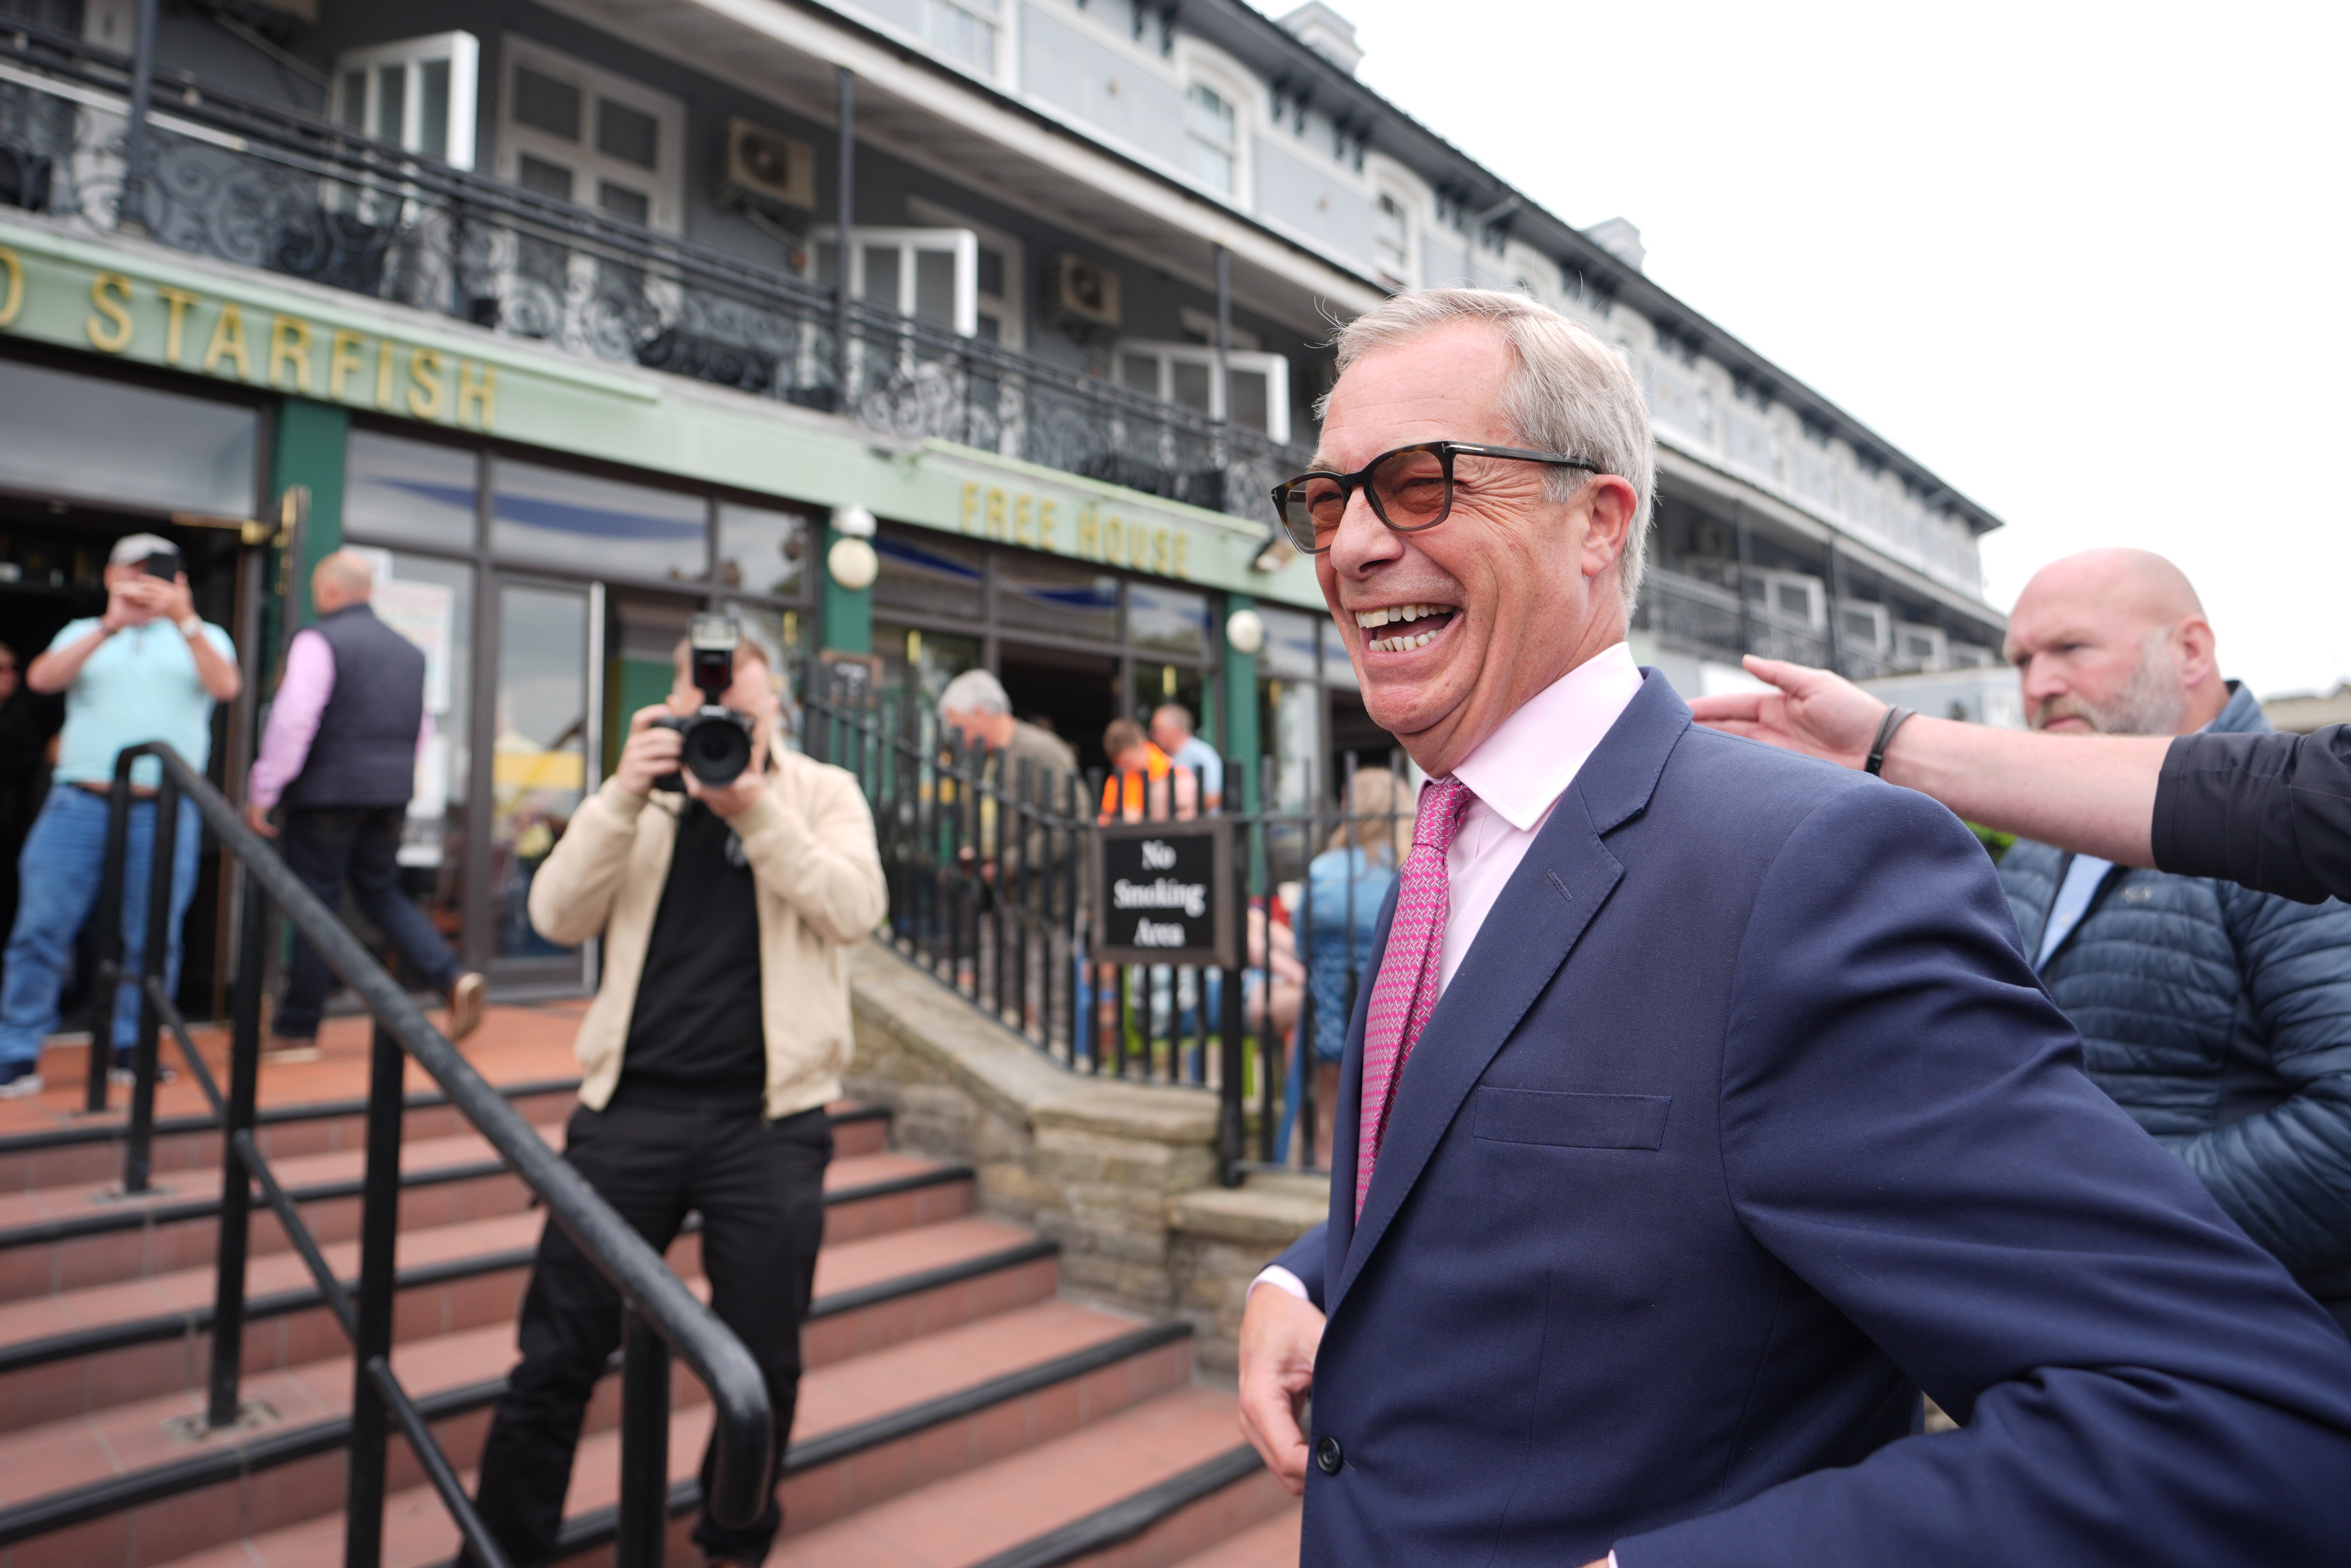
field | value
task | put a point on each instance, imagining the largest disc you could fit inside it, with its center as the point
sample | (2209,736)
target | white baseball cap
(133,549)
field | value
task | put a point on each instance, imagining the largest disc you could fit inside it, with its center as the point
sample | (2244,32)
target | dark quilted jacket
(2220,1019)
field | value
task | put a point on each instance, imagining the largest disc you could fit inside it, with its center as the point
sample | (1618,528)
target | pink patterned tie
(1406,992)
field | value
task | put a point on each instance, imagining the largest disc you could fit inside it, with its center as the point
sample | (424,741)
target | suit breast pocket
(1572,1120)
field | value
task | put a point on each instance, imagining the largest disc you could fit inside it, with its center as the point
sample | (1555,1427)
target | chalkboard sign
(1163,893)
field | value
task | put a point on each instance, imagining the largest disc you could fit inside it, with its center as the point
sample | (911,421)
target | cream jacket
(810,840)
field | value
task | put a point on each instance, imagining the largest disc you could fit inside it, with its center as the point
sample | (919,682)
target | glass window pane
(1289,651)
(433,113)
(545,104)
(68,434)
(935,286)
(354,104)
(431,603)
(629,207)
(1052,595)
(780,633)
(990,280)
(923,570)
(1188,384)
(408,492)
(922,662)
(547,179)
(1338,669)
(391,103)
(627,134)
(1167,620)
(1140,373)
(539,769)
(571,520)
(881,276)
(1251,399)
(761,550)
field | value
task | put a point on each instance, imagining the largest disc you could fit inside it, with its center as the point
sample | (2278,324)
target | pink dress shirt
(294,718)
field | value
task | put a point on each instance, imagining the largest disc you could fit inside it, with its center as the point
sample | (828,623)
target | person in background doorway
(1347,887)
(150,669)
(1171,731)
(339,763)
(976,707)
(1144,783)
(26,730)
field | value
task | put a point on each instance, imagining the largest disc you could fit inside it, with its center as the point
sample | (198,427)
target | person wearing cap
(338,764)
(150,669)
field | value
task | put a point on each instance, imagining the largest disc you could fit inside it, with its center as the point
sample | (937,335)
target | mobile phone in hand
(166,564)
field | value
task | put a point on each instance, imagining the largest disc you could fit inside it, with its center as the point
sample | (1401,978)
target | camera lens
(717,750)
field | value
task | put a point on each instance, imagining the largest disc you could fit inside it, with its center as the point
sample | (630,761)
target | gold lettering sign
(176,302)
(427,392)
(11,298)
(478,388)
(110,295)
(289,346)
(228,340)
(342,360)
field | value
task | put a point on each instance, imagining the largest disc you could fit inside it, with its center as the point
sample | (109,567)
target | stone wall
(1122,1175)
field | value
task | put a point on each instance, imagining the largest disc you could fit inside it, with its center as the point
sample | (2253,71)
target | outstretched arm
(2093,795)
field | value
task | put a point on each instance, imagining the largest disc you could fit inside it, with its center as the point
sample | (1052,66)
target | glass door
(544,746)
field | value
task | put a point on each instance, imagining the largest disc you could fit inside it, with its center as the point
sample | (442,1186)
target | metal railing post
(162,844)
(237,1206)
(138,137)
(379,1241)
(642,1535)
(108,918)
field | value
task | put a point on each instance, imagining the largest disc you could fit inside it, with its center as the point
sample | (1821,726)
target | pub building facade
(544,306)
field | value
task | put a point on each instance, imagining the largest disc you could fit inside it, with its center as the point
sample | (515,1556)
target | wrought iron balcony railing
(282,191)
(1687,610)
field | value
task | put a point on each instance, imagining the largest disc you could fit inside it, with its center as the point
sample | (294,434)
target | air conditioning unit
(1921,646)
(1866,628)
(757,165)
(1081,294)
(1796,597)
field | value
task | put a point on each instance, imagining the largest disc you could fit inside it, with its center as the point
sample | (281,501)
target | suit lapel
(1543,911)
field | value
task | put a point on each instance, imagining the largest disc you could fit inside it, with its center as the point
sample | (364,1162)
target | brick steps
(956,1411)
(1272,1543)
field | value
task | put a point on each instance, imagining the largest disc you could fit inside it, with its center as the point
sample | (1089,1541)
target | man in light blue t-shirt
(1171,731)
(151,668)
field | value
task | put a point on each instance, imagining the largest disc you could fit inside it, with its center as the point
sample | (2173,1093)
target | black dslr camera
(716,742)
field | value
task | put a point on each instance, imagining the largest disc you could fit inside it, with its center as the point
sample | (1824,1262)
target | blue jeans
(64,859)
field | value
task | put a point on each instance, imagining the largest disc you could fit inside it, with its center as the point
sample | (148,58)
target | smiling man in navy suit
(1702,1109)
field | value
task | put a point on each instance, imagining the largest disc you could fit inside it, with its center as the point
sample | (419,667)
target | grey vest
(365,752)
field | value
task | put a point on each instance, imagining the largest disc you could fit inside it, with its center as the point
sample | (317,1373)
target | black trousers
(759,1188)
(325,845)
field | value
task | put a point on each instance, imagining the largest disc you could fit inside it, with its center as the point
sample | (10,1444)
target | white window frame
(1273,366)
(1816,616)
(462,50)
(1198,63)
(1938,639)
(999,26)
(1012,320)
(963,243)
(666,178)
(1384,193)
(1881,639)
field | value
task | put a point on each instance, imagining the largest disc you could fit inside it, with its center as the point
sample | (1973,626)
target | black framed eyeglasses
(1410,489)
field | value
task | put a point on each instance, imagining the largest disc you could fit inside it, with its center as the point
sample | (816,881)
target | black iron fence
(662,1316)
(275,189)
(1692,612)
(989,857)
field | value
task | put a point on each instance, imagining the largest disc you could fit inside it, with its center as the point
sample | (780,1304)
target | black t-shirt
(696,1034)
(2271,812)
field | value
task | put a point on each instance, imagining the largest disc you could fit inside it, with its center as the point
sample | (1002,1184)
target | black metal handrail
(662,1316)
(984,858)
(272,187)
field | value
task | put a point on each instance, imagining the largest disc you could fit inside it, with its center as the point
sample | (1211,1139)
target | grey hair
(1569,392)
(974,692)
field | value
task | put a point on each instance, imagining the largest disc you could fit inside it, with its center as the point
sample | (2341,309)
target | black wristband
(1895,719)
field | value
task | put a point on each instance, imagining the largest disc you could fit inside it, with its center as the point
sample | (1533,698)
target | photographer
(719,1035)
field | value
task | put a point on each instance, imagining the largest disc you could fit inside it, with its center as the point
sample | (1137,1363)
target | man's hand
(1280,1334)
(1814,712)
(256,816)
(172,600)
(649,755)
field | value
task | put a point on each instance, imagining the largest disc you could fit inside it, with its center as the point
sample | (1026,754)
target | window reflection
(557,518)
(761,551)
(922,570)
(1063,596)
(539,764)
(413,491)
(1167,620)
(431,603)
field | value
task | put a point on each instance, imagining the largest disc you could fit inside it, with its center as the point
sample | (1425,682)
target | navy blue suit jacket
(1743,1120)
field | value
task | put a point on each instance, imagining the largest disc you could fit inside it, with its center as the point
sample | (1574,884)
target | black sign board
(1163,893)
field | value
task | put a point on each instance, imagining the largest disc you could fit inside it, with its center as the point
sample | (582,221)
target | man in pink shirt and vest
(1701,1109)
(338,763)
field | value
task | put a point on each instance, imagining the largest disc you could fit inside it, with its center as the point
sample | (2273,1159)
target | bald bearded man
(2218,1017)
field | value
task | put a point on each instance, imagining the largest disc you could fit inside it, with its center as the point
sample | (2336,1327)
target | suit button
(1329,1456)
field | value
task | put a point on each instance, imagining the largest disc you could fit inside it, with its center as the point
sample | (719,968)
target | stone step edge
(137,1217)
(156,1483)
(1129,1517)
(132,1332)
(268,1116)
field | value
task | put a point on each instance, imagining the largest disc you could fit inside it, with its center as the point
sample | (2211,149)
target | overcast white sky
(2085,261)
